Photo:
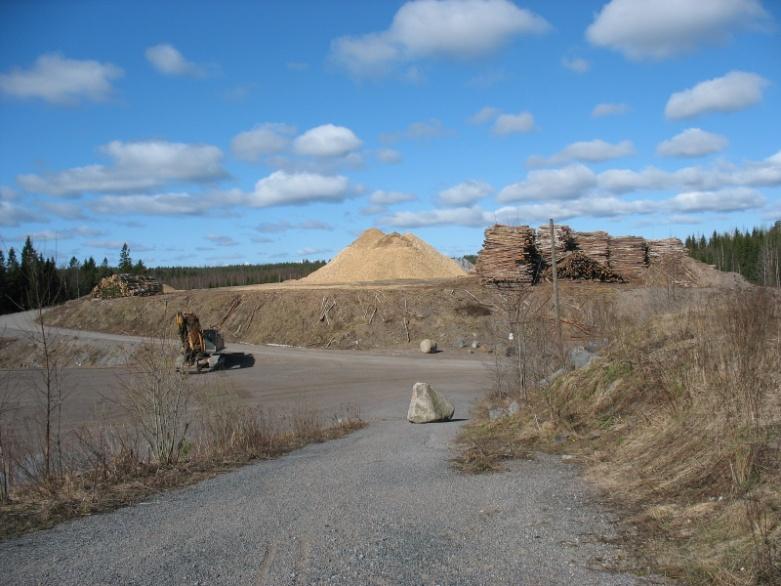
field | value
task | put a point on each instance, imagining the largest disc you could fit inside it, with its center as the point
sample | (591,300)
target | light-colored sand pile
(376,256)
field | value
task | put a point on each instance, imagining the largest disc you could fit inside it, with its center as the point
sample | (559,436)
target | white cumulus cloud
(485,114)
(283,188)
(168,60)
(389,156)
(387,198)
(609,109)
(464,194)
(724,200)
(436,28)
(13,215)
(327,140)
(551,184)
(734,91)
(692,142)
(264,139)
(137,166)
(464,216)
(590,151)
(221,240)
(513,123)
(641,29)
(158,204)
(60,80)
(576,64)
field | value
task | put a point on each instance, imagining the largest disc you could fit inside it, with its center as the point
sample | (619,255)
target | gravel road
(381,506)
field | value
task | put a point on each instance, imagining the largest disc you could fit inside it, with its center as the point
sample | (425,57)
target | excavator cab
(201,349)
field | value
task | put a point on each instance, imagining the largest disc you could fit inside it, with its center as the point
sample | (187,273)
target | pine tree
(125,262)
(3,284)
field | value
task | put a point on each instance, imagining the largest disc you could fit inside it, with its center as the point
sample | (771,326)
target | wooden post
(556,305)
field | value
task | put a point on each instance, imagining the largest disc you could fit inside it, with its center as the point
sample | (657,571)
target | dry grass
(114,466)
(680,423)
(486,445)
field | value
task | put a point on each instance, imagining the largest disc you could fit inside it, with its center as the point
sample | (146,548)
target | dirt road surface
(381,506)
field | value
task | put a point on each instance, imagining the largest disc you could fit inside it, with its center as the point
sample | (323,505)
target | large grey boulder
(428,346)
(427,405)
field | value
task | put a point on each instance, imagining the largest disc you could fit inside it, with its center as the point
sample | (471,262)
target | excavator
(201,349)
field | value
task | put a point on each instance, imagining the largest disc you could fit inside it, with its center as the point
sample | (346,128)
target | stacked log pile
(564,241)
(579,266)
(508,257)
(667,248)
(594,244)
(628,256)
(126,285)
(517,255)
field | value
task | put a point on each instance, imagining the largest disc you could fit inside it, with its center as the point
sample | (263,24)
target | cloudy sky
(205,132)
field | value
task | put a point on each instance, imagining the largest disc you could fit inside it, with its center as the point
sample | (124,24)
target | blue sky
(213,133)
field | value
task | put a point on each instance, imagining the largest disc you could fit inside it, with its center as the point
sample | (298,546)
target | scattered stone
(580,357)
(501,412)
(428,346)
(497,413)
(552,377)
(427,406)
(475,345)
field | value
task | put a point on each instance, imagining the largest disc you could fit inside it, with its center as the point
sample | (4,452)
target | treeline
(233,275)
(755,254)
(29,280)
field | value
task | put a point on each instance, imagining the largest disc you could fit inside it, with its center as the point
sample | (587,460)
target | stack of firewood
(126,285)
(579,266)
(594,244)
(628,256)
(564,241)
(666,248)
(508,257)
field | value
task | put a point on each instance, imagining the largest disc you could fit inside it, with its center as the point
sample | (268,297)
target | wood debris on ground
(127,285)
(579,266)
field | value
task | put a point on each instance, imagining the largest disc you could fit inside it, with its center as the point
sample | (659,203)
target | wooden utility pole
(556,305)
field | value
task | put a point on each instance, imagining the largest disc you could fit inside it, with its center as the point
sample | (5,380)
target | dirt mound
(376,256)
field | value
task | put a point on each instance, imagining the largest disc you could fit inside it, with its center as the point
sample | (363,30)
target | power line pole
(556,305)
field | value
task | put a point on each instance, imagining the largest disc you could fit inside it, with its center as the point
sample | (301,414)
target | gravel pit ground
(381,506)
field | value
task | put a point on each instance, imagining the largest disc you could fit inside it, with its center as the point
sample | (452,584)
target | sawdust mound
(376,256)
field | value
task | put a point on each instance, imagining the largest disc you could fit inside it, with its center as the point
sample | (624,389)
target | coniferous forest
(29,280)
(755,254)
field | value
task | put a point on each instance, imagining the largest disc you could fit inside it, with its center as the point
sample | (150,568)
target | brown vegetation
(679,421)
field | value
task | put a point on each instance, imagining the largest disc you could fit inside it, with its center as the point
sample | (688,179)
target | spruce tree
(125,262)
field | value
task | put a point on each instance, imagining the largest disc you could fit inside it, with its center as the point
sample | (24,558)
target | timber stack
(628,256)
(127,285)
(595,245)
(666,248)
(517,255)
(564,241)
(508,258)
